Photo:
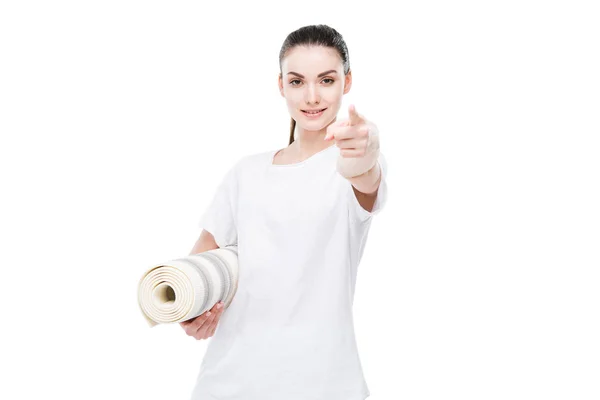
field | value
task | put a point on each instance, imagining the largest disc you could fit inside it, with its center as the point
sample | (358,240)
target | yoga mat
(184,288)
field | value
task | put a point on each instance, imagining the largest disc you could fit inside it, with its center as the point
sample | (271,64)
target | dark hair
(314,35)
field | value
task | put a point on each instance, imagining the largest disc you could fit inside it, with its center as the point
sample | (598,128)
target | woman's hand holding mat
(204,325)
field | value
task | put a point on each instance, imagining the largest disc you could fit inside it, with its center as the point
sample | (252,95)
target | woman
(300,217)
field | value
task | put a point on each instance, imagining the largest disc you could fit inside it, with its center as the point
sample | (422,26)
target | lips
(314,112)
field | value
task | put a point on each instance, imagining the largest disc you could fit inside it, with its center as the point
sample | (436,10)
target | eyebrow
(318,76)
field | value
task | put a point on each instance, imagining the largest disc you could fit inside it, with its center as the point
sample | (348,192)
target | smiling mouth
(309,112)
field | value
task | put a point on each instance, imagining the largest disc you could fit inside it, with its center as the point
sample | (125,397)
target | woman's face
(313,79)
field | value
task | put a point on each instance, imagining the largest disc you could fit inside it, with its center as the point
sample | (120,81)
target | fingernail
(219,305)
(208,314)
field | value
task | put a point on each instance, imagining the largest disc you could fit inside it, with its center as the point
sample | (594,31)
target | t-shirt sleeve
(220,218)
(357,212)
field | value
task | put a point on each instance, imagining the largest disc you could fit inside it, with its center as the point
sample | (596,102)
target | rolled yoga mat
(186,287)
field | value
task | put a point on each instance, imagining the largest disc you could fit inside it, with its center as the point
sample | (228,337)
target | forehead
(311,60)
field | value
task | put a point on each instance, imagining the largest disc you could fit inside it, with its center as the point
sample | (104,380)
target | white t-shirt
(289,331)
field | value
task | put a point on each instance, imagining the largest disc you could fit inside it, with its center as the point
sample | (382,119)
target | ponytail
(292,129)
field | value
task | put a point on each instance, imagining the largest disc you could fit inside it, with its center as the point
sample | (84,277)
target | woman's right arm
(205,242)
(204,325)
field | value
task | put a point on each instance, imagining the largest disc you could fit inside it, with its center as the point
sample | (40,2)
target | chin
(315,126)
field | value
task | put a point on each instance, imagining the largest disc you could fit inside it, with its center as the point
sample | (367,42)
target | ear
(348,82)
(280,84)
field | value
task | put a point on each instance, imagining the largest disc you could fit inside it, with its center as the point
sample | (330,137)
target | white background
(118,120)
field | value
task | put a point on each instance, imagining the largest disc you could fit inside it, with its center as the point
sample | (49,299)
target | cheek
(333,93)
(293,97)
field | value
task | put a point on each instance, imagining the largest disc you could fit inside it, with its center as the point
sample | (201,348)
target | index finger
(355,118)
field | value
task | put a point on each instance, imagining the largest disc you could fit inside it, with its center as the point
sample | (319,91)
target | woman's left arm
(358,140)
(364,188)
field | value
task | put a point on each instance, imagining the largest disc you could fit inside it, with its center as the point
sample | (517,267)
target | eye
(329,79)
(295,80)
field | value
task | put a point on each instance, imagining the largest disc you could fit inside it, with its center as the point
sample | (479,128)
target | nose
(312,95)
